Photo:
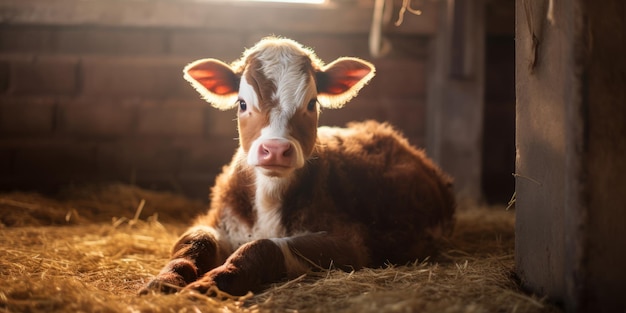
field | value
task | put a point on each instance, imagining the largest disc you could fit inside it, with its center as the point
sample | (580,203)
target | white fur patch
(267,203)
(293,264)
(237,233)
(281,64)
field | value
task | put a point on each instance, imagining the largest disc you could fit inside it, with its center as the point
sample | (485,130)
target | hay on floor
(92,251)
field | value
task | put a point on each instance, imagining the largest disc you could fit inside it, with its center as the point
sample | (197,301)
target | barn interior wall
(90,101)
(91,91)
(498,140)
(456,96)
(605,102)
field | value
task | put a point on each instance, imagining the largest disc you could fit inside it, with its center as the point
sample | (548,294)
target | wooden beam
(231,15)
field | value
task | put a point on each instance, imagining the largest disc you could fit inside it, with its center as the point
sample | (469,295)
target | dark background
(94,93)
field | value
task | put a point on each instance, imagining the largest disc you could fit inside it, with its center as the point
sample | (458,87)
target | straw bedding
(90,249)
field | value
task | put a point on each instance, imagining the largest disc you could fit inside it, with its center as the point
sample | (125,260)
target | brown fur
(240,273)
(364,197)
(373,185)
(303,127)
(368,197)
(250,124)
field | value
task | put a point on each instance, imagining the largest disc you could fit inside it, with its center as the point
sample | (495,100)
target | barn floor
(90,249)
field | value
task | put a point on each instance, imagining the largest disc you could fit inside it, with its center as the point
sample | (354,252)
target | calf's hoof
(164,283)
(176,275)
(223,279)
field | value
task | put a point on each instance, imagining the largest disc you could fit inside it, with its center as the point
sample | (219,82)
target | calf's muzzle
(276,153)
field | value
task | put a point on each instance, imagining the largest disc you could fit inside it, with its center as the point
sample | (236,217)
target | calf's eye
(312,105)
(242,105)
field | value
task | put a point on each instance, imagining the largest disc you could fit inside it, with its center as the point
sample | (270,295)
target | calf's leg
(265,261)
(196,252)
(250,267)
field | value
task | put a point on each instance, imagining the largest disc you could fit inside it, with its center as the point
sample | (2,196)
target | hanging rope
(406,7)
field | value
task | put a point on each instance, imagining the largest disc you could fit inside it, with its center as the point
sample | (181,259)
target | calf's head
(278,87)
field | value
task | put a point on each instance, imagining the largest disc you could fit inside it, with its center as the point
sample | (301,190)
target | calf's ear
(341,80)
(215,81)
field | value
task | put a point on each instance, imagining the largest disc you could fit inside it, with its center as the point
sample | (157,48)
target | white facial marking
(295,87)
(247,93)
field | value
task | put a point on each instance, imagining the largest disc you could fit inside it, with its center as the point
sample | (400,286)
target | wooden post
(456,95)
(571,151)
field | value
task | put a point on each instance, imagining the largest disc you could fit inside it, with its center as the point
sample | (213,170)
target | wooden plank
(232,15)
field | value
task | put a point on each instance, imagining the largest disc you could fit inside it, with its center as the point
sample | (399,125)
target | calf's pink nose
(275,152)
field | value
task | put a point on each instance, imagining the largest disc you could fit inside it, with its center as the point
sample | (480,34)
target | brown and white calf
(297,197)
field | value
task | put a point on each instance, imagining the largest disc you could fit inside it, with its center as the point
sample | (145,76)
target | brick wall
(93,102)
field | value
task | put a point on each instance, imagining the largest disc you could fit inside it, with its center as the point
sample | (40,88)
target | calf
(297,197)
